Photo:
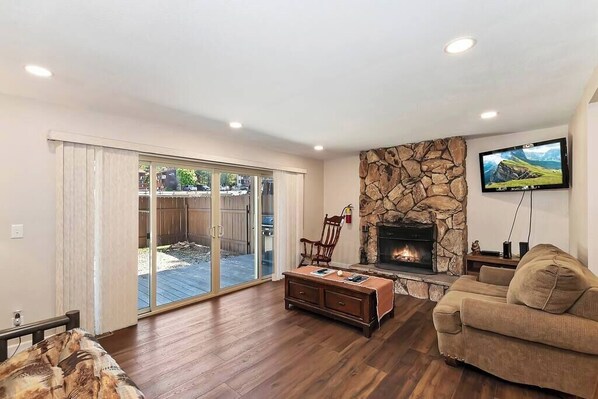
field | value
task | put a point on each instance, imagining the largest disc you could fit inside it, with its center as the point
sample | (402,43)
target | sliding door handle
(220,231)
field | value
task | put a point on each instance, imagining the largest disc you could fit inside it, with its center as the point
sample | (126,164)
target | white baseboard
(25,343)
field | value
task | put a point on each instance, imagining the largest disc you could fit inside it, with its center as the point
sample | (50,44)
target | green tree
(228,179)
(144,178)
(186,177)
(203,177)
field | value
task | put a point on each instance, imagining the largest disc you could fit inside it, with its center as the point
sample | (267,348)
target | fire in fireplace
(407,247)
(406,254)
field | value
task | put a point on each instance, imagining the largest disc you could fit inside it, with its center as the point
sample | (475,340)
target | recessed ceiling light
(39,71)
(488,114)
(459,45)
(236,125)
(318,148)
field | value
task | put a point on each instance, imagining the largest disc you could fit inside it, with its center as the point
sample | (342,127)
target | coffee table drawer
(343,303)
(304,292)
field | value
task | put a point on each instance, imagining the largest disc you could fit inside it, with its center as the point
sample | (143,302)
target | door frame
(215,218)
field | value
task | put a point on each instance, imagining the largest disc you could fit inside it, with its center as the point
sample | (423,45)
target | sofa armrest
(496,275)
(564,331)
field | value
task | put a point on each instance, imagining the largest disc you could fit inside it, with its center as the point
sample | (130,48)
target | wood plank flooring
(185,282)
(246,345)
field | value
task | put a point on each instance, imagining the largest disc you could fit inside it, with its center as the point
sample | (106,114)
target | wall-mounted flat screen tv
(533,166)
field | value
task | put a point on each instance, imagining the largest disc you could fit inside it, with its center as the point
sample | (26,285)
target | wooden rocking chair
(324,248)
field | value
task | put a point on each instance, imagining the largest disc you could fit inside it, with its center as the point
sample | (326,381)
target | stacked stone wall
(422,182)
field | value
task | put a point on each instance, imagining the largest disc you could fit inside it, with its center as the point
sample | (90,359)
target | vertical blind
(288,221)
(96,232)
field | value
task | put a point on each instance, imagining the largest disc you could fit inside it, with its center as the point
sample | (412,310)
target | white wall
(27,188)
(490,215)
(341,187)
(592,156)
(578,197)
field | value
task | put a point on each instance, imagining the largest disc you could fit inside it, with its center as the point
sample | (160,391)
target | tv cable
(515,217)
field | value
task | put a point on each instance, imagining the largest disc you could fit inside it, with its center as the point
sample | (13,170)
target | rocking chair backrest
(331,232)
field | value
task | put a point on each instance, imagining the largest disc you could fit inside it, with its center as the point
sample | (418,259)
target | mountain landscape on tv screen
(535,166)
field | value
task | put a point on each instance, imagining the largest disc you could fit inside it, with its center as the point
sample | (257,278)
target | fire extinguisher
(348,211)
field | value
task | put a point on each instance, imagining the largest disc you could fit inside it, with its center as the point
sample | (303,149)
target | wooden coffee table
(352,304)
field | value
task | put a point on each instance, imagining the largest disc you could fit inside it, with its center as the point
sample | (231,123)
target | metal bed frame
(70,320)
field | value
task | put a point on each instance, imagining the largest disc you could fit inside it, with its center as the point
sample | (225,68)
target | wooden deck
(246,345)
(185,282)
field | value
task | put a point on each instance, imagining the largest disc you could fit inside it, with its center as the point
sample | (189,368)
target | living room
(164,165)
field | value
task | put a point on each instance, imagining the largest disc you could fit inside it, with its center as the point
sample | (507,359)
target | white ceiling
(346,74)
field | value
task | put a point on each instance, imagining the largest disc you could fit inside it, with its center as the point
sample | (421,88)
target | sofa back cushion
(537,252)
(587,305)
(549,280)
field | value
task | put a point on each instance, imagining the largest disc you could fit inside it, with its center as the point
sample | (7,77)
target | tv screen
(534,166)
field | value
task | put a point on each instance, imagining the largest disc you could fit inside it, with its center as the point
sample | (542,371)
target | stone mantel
(417,183)
(423,286)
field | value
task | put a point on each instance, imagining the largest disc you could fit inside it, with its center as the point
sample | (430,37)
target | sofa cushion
(552,281)
(587,304)
(447,313)
(496,275)
(539,251)
(562,331)
(476,287)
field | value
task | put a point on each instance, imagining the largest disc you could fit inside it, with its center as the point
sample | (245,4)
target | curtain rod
(148,149)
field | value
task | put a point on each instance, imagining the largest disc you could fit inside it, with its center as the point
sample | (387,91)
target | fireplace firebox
(409,247)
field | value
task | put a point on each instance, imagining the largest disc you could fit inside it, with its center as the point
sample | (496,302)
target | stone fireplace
(422,183)
(407,247)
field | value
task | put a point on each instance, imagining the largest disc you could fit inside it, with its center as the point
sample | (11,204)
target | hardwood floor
(246,345)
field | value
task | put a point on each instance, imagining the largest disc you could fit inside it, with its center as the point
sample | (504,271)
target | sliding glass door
(144,248)
(201,231)
(183,242)
(237,229)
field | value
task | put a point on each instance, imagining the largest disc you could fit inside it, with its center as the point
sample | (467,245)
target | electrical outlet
(17,318)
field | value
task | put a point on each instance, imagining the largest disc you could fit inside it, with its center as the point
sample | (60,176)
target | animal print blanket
(71,364)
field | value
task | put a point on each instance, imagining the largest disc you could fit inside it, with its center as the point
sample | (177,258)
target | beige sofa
(535,325)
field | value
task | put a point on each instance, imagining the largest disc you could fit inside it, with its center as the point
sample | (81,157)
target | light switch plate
(16,231)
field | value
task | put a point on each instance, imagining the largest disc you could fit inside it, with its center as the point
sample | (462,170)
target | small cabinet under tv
(474,262)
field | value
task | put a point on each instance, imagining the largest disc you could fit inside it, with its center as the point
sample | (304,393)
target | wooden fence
(188,218)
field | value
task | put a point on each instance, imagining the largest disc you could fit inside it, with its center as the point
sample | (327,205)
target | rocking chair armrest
(309,241)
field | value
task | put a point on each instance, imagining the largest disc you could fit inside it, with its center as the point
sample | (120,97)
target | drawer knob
(301,293)
(341,303)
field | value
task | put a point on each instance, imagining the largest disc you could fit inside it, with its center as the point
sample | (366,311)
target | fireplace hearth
(408,247)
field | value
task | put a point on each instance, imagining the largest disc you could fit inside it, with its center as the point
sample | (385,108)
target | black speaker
(523,248)
(506,250)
